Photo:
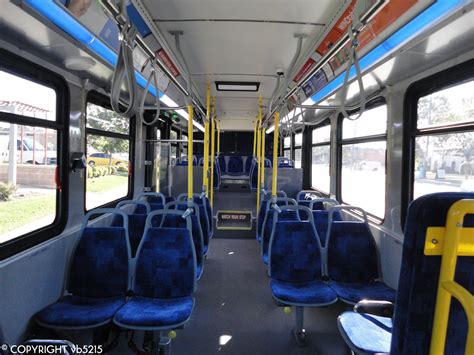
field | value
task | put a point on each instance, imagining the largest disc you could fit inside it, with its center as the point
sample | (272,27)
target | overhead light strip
(69,24)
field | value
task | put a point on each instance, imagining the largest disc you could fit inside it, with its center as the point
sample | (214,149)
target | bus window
(298,144)
(108,142)
(364,145)
(287,147)
(444,141)
(28,157)
(320,158)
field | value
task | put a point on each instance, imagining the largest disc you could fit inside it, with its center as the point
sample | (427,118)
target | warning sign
(234,220)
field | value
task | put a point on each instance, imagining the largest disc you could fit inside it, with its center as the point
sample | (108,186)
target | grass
(18,212)
(106,183)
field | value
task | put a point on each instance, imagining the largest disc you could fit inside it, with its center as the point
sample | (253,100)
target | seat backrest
(248,164)
(152,197)
(307,195)
(268,163)
(141,207)
(206,212)
(262,213)
(418,282)
(295,250)
(351,250)
(199,230)
(166,260)
(284,162)
(221,161)
(284,215)
(235,166)
(100,262)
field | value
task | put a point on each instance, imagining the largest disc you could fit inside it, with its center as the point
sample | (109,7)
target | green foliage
(6,190)
(90,172)
(122,169)
(112,170)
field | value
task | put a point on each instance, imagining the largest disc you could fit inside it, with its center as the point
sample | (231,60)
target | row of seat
(152,290)
(152,251)
(183,161)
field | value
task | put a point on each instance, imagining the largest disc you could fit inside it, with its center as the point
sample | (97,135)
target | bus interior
(237,177)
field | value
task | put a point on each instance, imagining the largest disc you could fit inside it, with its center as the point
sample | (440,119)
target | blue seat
(202,200)
(320,213)
(304,197)
(201,243)
(183,161)
(352,259)
(221,161)
(263,212)
(248,164)
(217,174)
(165,278)
(284,162)
(296,266)
(98,278)
(235,165)
(156,200)
(411,328)
(136,221)
(285,215)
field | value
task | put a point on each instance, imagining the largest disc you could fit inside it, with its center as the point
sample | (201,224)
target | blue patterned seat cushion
(248,164)
(321,219)
(303,293)
(268,227)
(416,299)
(99,265)
(366,333)
(355,292)
(295,254)
(235,166)
(165,264)
(222,164)
(353,243)
(79,312)
(155,313)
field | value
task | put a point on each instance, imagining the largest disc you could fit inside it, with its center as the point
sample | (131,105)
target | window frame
(31,71)
(324,123)
(450,77)
(377,102)
(98,99)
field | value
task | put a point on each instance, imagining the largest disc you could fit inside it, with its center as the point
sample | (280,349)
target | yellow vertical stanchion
(190,152)
(259,139)
(218,122)
(262,175)
(205,168)
(255,132)
(275,156)
(213,138)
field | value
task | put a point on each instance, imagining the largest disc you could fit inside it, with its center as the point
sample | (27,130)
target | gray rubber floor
(234,303)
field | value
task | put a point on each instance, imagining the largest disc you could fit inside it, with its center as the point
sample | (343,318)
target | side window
(287,147)
(30,153)
(320,158)
(443,141)
(363,152)
(108,150)
(297,149)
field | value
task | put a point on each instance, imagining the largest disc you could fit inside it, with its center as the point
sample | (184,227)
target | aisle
(234,303)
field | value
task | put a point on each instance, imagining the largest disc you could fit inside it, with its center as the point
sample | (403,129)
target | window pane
(298,139)
(297,158)
(104,119)
(322,134)
(173,135)
(287,142)
(449,106)
(444,162)
(363,176)
(26,98)
(107,172)
(372,122)
(320,174)
(173,151)
(287,153)
(28,157)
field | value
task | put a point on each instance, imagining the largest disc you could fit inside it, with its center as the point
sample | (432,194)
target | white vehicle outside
(27,152)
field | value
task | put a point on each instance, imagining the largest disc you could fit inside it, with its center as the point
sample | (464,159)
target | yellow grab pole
(255,132)
(205,168)
(190,152)
(275,156)
(218,137)
(454,226)
(213,138)
(258,166)
(262,182)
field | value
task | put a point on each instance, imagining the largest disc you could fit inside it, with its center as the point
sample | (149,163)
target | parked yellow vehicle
(104,159)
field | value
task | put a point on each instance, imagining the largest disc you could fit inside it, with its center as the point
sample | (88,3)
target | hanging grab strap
(124,67)
(354,59)
(141,108)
